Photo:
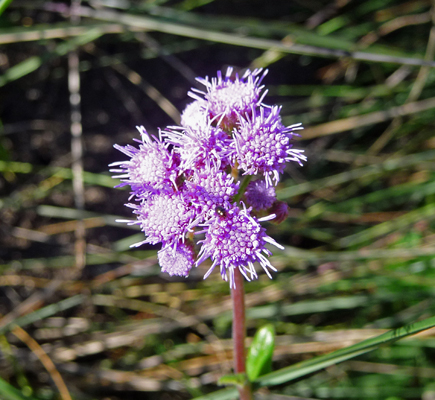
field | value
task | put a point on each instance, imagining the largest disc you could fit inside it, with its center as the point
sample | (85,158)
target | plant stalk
(239,333)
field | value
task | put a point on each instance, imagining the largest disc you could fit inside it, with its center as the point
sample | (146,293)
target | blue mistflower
(166,217)
(177,259)
(231,96)
(195,115)
(262,144)
(200,146)
(206,190)
(259,195)
(151,167)
(185,182)
(235,239)
(280,209)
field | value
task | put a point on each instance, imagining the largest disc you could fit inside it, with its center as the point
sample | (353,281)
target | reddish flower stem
(239,332)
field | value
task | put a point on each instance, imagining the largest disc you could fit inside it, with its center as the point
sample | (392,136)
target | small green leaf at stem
(233,380)
(259,360)
(3,5)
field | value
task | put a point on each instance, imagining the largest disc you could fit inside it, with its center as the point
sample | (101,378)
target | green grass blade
(33,63)
(60,30)
(65,173)
(355,174)
(3,5)
(44,312)
(426,213)
(294,253)
(306,367)
(8,392)
(328,51)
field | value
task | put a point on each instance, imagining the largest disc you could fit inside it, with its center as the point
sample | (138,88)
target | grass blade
(306,367)
(3,5)
(8,392)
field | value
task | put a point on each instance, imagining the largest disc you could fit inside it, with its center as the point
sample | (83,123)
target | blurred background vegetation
(78,306)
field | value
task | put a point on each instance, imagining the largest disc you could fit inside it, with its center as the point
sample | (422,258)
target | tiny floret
(166,217)
(230,96)
(199,147)
(177,260)
(207,190)
(262,144)
(280,209)
(150,168)
(195,115)
(259,195)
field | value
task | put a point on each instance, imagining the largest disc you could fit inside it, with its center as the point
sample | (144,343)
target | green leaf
(8,392)
(3,5)
(259,360)
(233,379)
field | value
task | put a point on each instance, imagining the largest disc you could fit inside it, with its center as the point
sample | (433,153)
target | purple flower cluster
(184,184)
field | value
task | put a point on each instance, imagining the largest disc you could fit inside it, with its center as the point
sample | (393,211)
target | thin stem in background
(77,144)
(46,361)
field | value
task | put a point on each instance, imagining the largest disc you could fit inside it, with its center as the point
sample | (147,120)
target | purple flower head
(280,209)
(235,239)
(166,217)
(262,144)
(195,115)
(259,195)
(177,260)
(231,96)
(199,147)
(208,189)
(151,167)
(188,177)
